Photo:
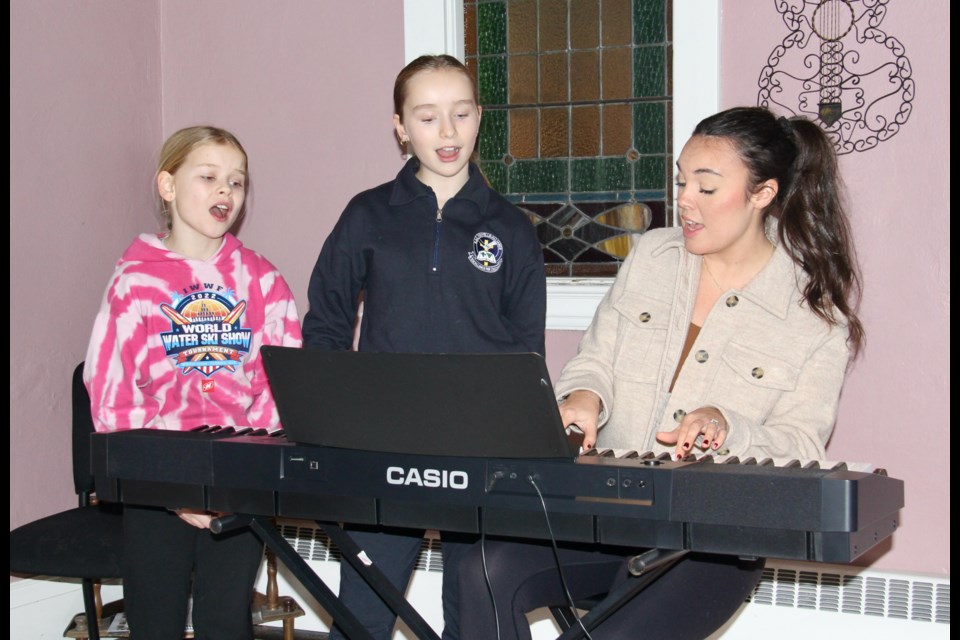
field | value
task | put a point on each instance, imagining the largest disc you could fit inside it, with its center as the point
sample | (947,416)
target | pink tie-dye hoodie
(176,343)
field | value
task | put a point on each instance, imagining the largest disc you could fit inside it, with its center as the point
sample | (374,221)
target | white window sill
(571,302)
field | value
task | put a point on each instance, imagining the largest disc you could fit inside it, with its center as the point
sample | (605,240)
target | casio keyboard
(822,512)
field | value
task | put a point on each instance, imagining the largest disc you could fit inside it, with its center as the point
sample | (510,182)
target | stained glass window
(576,128)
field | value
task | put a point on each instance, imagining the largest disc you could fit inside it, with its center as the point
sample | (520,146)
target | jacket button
(679,414)
(732,301)
(644,317)
(702,356)
(757,373)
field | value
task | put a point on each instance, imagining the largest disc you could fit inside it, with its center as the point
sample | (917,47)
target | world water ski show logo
(205,334)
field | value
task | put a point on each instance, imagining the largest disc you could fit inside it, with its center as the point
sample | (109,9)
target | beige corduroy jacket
(771,366)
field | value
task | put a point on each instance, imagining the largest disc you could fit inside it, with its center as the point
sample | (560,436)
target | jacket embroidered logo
(487,254)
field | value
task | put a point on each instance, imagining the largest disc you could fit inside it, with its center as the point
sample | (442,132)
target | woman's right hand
(582,409)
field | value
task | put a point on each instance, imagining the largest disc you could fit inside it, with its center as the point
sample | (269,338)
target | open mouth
(220,211)
(448,153)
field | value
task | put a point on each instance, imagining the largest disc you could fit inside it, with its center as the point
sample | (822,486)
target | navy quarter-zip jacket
(467,279)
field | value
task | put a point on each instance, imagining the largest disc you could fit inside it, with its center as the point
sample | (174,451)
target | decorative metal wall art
(839,69)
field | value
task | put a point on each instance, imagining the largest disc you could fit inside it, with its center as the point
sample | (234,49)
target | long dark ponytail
(813,224)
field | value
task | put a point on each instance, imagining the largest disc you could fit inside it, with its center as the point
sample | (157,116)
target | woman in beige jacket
(730,334)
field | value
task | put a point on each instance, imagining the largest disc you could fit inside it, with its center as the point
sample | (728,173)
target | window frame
(436,26)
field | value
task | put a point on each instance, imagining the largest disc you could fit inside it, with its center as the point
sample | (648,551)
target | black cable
(486,577)
(556,555)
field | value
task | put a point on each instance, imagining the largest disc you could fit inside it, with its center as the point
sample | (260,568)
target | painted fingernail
(686,445)
(706,444)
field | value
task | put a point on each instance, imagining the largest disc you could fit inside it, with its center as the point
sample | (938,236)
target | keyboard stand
(645,568)
(343,617)
(350,551)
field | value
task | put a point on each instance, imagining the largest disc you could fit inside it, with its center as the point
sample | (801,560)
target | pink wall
(308,89)
(95,87)
(84,121)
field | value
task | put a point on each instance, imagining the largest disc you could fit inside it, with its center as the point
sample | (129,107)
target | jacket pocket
(760,369)
(641,339)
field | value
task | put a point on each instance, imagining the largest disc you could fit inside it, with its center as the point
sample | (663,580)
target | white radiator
(792,601)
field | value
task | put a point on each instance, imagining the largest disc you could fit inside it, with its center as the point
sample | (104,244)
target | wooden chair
(271,606)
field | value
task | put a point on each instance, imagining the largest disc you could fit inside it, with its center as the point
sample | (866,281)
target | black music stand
(491,405)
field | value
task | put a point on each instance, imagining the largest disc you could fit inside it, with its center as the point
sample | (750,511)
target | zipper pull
(439,215)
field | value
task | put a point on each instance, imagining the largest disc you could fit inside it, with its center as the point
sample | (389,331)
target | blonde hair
(179,145)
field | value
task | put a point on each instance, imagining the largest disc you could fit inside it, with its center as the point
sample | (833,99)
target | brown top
(692,334)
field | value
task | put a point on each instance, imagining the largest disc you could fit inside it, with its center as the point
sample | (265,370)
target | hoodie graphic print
(176,343)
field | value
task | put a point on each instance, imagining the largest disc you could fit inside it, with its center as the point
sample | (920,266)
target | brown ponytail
(813,224)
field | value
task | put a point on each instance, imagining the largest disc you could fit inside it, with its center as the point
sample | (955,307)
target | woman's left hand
(707,422)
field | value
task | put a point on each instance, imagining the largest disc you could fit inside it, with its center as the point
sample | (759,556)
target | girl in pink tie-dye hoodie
(175,346)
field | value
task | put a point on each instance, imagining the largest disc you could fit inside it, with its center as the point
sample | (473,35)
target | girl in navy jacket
(444,265)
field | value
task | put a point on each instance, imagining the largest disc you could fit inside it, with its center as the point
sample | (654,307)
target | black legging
(690,600)
(165,559)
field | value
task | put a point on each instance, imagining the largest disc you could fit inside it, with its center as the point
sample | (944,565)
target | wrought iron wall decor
(839,69)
